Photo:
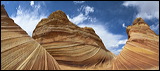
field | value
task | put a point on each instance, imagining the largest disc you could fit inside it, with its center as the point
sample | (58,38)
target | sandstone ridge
(73,47)
(141,51)
(21,52)
(57,43)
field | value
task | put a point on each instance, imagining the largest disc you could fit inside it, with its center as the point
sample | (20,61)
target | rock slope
(141,50)
(21,52)
(73,47)
(60,44)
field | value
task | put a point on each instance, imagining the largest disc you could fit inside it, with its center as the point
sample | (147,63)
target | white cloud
(155,27)
(123,25)
(116,51)
(110,40)
(32,3)
(27,19)
(83,16)
(19,12)
(120,42)
(88,9)
(78,19)
(78,2)
(123,46)
(146,9)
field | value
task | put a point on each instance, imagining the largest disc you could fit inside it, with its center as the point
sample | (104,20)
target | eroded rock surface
(73,47)
(60,44)
(141,51)
(21,52)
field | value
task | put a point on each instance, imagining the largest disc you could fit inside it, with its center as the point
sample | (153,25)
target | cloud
(155,27)
(78,2)
(80,18)
(120,42)
(88,10)
(28,18)
(122,47)
(123,25)
(32,3)
(110,40)
(116,51)
(146,9)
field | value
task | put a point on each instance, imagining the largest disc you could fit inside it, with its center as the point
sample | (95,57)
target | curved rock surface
(69,47)
(21,52)
(73,47)
(141,50)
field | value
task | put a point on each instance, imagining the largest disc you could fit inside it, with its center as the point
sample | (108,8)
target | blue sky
(108,18)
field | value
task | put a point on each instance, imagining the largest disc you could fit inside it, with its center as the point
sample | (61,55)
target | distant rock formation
(57,44)
(21,52)
(73,47)
(141,50)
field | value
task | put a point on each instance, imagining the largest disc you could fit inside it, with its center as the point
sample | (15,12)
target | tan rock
(141,51)
(70,47)
(73,47)
(21,52)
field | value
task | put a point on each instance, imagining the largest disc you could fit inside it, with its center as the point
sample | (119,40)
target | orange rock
(73,47)
(21,52)
(141,50)
(70,47)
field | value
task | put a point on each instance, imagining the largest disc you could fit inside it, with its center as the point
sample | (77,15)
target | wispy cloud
(155,27)
(78,19)
(83,15)
(78,2)
(123,25)
(120,42)
(146,9)
(32,3)
(28,18)
(116,51)
(110,40)
(86,9)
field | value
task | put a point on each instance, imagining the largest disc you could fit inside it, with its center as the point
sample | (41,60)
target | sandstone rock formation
(73,47)
(80,48)
(60,44)
(21,52)
(141,50)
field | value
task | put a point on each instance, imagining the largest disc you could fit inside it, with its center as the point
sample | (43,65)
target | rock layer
(21,52)
(141,50)
(73,47)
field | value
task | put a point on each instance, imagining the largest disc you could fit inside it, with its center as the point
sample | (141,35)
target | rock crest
(21,52)
(57,44)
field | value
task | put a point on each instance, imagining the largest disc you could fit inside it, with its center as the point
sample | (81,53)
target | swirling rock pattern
(60,44)
(141,50)
(73,47)
(21,52)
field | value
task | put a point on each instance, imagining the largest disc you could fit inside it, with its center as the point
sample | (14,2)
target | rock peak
(58,15)
(138,21)
(3,11)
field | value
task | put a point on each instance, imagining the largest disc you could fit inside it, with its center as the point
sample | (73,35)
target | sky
(109,19)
